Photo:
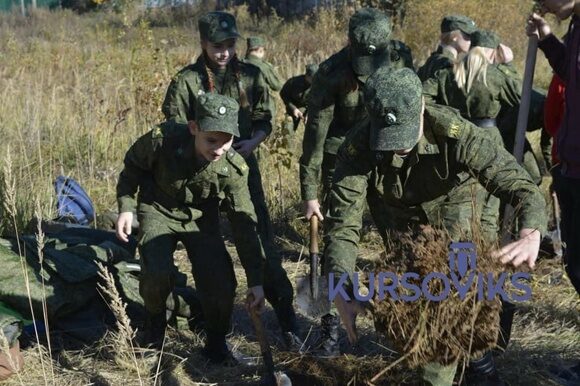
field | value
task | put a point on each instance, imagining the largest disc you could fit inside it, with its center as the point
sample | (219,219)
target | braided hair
(234,64)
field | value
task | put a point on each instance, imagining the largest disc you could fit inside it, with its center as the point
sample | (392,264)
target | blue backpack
(73,204)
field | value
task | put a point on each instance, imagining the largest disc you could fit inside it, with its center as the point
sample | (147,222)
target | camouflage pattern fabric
(438,60)
(162,166)
(270,74)
(294,93)
(218,26)
(68,270)
(335,105)
(179,104)
(215,112)
(192,81)
(435,184)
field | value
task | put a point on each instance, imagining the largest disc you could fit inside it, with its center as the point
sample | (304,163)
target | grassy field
(76,91)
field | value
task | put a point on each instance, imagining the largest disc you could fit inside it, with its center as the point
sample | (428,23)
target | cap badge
(224,24)
(372,48)
(222,110)
(391,119)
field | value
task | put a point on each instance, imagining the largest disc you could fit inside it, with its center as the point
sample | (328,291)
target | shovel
(312,290)
(270,376)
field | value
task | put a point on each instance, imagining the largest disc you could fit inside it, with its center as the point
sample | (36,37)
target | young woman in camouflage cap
(218,70)
(455,39)
(481,91)
(181,172)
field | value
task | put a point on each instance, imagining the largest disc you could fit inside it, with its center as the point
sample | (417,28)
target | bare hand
(297,114)
(538,26)
(348,311)
(312,207)
(256,299)
(523,250)
(245,147)
(123,226)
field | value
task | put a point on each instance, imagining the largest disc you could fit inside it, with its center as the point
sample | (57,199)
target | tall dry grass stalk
(40,242)
(123,338)
(10,207)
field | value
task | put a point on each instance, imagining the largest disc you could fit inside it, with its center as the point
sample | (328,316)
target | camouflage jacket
(335,105)
(295,93)
(482,100)
(438,60)
(506,123)
(162,166)
(270,74)
(191,81)
(432,185)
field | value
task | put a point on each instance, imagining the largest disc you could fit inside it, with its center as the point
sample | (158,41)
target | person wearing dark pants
(564,58)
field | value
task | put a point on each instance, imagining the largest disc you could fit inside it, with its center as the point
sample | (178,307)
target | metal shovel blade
(312,290)
(306,304)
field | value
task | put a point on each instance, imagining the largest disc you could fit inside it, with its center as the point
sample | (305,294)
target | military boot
(482,372)
(288,324)
(217,351)
(328,346)
(155,325)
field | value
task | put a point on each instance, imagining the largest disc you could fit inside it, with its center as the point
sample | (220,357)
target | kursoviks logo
(463,275)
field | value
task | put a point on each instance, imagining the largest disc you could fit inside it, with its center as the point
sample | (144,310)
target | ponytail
(210,86)
(473,67)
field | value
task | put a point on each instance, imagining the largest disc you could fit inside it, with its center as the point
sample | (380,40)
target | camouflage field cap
(311,69)
(255,42)
(217,26)
(393,99)
(485,38)
(458,22)
(215,112)
(369,31)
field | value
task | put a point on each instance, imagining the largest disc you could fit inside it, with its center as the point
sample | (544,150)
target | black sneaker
(217,351)
(482,372)
(155,325)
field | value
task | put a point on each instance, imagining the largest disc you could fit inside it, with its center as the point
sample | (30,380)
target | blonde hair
(472,67)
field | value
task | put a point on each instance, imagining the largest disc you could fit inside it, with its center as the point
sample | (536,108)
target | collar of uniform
(427,143)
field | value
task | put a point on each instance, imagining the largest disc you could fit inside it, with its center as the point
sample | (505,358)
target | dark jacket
(564,57)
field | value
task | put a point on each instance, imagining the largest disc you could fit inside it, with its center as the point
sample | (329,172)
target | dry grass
(76,91)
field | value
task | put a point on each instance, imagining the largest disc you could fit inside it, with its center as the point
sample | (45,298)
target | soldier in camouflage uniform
(182,172)
(427,162)
(455,38)
(335,105)
(255,56)
(335,102)
(295,95)
(217,70)
(486,103)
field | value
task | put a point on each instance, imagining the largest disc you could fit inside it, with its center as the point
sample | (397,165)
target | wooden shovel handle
(314,234)
(262,337)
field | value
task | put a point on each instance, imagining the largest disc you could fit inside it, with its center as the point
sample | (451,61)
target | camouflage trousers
(277,287)
(212,267)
